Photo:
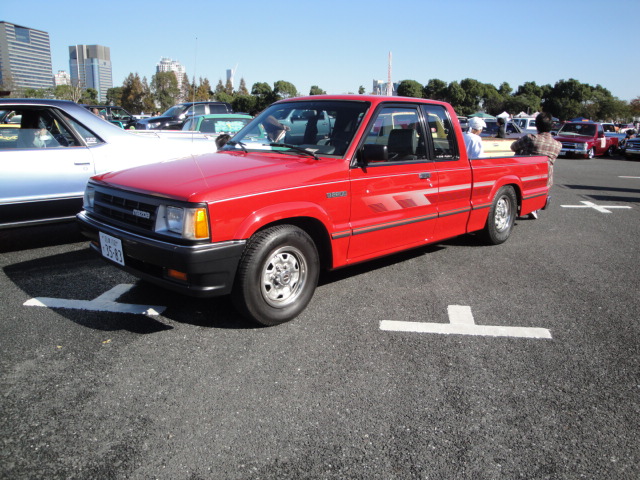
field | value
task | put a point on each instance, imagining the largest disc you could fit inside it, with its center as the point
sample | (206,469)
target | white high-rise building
(62,78)
(168,65)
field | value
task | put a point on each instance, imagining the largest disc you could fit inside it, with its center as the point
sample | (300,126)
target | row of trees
(565,100)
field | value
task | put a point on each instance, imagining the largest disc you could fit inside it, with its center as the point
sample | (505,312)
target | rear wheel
(277,275)
(610,151)
(502,216)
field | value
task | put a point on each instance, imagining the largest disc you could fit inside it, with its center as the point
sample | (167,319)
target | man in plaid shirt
(541,143)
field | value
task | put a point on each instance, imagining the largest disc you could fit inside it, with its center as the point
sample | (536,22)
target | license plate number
(111,248)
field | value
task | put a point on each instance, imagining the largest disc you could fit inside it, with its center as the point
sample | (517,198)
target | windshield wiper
(296,148)
(242,145)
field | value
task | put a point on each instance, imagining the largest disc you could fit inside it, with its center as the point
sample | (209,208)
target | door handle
(424,175)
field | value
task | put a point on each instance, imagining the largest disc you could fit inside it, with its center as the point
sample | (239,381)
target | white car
(527,125)
(50,154)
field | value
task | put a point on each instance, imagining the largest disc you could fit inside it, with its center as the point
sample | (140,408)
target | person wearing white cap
(472,139)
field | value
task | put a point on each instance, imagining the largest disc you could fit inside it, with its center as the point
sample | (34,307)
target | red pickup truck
(585,139)
(312,183)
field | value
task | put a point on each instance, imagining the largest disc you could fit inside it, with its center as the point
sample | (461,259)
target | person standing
(502,128)
(472,139)
(541,143)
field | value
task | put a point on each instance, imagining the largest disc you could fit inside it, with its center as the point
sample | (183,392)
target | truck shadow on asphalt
(82,275)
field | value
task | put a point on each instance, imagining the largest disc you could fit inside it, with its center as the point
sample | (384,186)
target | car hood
(208,178)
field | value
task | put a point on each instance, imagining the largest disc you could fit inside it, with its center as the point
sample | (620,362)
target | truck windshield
(588,130)
(325,128)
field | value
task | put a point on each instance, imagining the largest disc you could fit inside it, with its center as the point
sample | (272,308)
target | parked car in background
(50,154)
(116,115)
(230,123)
(491,130)
(527,125)
(176,116)
(585,139)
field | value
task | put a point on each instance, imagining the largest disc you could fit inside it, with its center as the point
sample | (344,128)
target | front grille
(125,208)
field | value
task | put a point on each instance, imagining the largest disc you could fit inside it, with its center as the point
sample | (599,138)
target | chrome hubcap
(503,214)
(283,277)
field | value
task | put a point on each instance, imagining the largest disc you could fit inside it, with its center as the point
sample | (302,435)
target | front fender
(281,211)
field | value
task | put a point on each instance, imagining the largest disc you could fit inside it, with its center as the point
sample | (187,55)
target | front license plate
(111,248)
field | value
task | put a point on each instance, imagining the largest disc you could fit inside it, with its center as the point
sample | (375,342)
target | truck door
(454,174)
(393,200)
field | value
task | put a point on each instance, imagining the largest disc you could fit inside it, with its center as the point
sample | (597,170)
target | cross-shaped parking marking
(599,208)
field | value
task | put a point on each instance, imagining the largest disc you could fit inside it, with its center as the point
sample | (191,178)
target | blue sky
(340,45)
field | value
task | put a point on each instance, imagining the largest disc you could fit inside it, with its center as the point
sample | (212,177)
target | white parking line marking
(626,176)
(600,208)
(462,323)
(104,303)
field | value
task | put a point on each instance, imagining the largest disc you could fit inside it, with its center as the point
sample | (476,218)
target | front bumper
(577,149)
(210,268)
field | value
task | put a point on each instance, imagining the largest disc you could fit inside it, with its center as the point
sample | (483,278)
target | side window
(198,109)
(442,133)
(399,129)
(38,128)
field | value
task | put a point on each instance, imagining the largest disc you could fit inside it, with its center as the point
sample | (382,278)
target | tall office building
(90,66)
(25,58)
(168,65)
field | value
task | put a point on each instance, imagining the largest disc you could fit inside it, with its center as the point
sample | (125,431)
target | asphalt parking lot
(453,361)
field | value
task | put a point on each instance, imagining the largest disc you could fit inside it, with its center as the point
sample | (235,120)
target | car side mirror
(600,134)
(373,153)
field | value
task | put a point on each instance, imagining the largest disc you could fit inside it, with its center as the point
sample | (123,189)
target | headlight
(89,197)
(154,125)
(583,146)
(190,223)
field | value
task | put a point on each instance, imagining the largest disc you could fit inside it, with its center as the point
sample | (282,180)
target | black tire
(277,275)
(502,216)
(591,153)
(610,151)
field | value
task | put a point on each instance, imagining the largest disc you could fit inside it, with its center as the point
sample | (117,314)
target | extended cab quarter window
(400,130)
(442,133)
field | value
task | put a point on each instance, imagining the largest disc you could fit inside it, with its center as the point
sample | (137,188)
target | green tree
(455,96)
(244,103)
(410,88)
(282,89)
(90,96)
(567,99)
(242,89)
(204,92)
(164,87)
(316,90)
(133,94)
(264,95)
(361,90)
(37,93)
(186,93)
(435,89)
(148,102)
(473,92)
(114,96)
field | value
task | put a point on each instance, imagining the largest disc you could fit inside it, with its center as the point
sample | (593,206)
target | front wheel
(591,153)
(502,216)
(277,275)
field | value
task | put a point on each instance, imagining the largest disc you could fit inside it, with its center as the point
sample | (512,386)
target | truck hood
(207,178)
(573,138)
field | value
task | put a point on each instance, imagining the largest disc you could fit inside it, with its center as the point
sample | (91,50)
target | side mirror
(373,153)
(600,134)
